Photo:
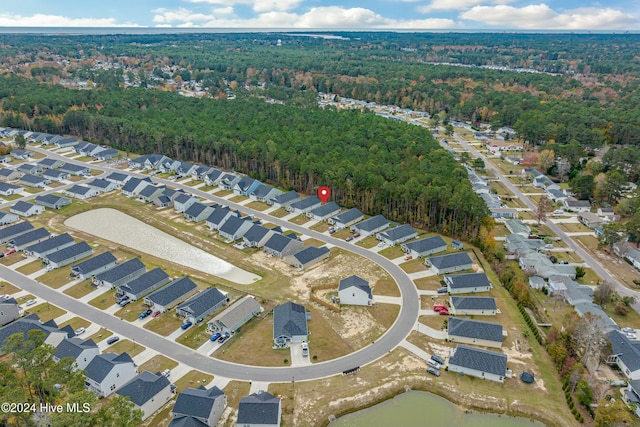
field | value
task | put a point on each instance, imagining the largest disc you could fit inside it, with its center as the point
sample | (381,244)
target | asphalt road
(400,329)
(590,261)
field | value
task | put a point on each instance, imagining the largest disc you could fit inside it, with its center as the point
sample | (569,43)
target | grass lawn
(386,286)
(104,301)
(235,391)
(300,219)
(55,184)
(76,178)
(128,346)
(162,418)
(499,187)
(193,379)
(313,242)
(95,172)
(45,311)
(31,267)
(81,289)
(279,213)
(258,206)
(195,336)
(385,314)
(567,256)
(428,283)
(223,193)
(32,190)
(392,252)
(320,227)
(367,242)
(515,203)
(11,259)
(130,312)
(158,364)
(587,241)
(164,324)
(76,322)
(239,198)
(342,234)
(102,334)
(413,266)
(8,288)
(590,277)
(573,227)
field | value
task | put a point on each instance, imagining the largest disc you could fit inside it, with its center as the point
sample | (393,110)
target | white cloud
(42,20)
(223,10)
(180,16)
(257,5)
(457,4)
(541,16)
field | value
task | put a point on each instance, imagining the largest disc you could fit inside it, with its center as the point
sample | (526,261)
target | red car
(12,251)
(156,313)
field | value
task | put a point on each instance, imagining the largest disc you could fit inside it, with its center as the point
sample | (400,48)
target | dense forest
(379,165)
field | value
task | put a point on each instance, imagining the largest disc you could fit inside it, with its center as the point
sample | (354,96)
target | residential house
(354,290)
(68,255)
(29,168)
(540,265)
(213,177)
(185,168)
(492,201)
(65,142)
(201,171)
(537,282)
(5,159)
(517,243)
(261,409)
(102,185)
(289,324)
(26,209)
(424,247)
(371,226)
(557,195)
(120,274)
(257,236)
(134,186)
(8,233)
(9,189)
(84,148)
(606,212)
(48,246)
(577,205)
(473,306)
(106,154)
(602,319)
(148,392)
(118,178)
(34,181)
(283,200)
(307,257)
(183,202)
(198,212)
(145,284)
(82,351)
(235,227)
(198,407)
(172,294)
(202,305)
(52,201)
(625,354)
(245,186)
(449,263)
(281,245)
(75,170)
(108,372)
(22,325)
(236,315)
(8,218)
(168,166)
(630,395)
(469,283)
(55,175)
(148,161)
(81,192)
(48,163)
(346,218)
(304,205)
(93,266)
(324,212)
(29,238)
(9,310)
(228,181)
(150,192)
(628,252)
(264,193)
(219,216)
(474,332)
(590,220)
(507,213)
(7,174)
(19,154)
(479,363)
(515,226)
(399,234)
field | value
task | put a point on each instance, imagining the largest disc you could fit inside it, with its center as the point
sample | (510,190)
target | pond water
(421,409)
(126,230)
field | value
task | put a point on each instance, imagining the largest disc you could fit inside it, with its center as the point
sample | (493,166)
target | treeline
(379,165)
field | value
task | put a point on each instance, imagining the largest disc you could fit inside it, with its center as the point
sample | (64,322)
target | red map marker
(324,193)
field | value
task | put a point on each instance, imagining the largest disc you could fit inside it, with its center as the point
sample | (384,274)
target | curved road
(399,330)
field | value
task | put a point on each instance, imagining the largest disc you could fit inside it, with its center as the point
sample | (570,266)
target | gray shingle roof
(100,183)
(425,245)
(203,302)
(310,253)
(286,197)
(52,199)
(22,206)
(172,291)
(73,347)
(69,252)
(94,263)
(53,174)
(232,224)
(372,223)
(256,233)
(326,209)
(144,387)
(356,281)
(306,203)
(73,168)
(30,236)
(4,187)
(218,214)
(32,179)
(79,189)
(259,408)
(262,190)
(348,216)
(289,319)
(146,281)
(196,209)
(627,351)
(278,242)
(149,190)
(117,177)
(197,402)
(479,359)
(470,280)
(26,324)
(475,329)
(182,198)
(13,230)
(121,270)
(102,364)
(245,182)
(450,260)
(51,243)
(399,232)
(473,303)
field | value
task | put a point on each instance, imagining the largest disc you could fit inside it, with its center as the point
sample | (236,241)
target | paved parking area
(297,359)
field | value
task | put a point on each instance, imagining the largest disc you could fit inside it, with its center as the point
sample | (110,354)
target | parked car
(186,325)
(166,373)
(31,302)
(437,358)
(444,312)
(348,239)
(631,336)
(558,212)
(433,371)
(355,236)
(442,290)
(305,349)
(224,338)
(564,262)
(1,254)
(122,298)
(143,315)
(80,331)
(381,244)
(113,340)
(408,257)
(11,251)
(548,246)
(439,307)
(215,336)
(155,314)
(124,303)
(628,330)
(433,364)
(332,230)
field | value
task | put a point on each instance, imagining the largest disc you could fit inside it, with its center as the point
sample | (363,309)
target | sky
(563,15)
